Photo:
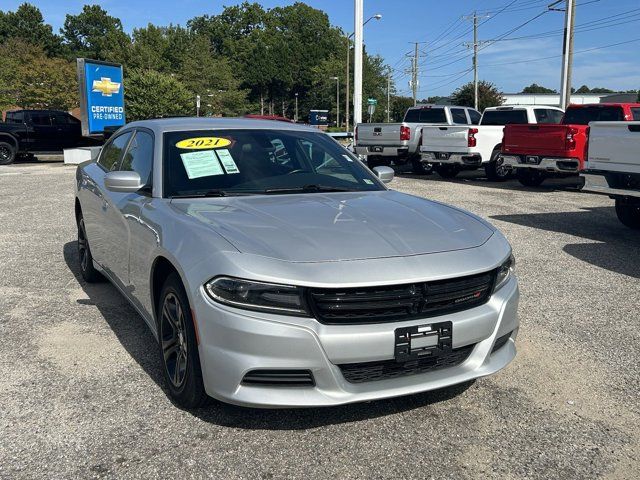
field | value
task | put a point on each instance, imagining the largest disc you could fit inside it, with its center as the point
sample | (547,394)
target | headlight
(505,272)
(264,297)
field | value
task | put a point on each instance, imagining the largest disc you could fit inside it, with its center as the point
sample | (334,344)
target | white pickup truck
(613,167)
(453,149)
(382,143)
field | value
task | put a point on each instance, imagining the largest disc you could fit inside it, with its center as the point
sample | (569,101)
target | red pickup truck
(540,151)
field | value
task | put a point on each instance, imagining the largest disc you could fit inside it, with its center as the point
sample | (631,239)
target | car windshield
(254,161)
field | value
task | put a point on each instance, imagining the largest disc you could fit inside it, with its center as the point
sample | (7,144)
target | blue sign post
(101,95)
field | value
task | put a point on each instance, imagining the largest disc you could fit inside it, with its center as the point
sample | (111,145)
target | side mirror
(385,174)
(125,182)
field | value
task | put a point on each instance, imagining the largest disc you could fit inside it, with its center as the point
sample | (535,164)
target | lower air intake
(279,378)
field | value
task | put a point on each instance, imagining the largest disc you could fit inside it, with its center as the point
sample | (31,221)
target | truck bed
(614,147)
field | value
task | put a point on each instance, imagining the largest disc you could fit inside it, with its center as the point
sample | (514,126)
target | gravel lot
(81,392)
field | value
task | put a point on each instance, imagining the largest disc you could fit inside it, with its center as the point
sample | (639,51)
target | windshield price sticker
(201,143)
(201,164)
(227,161)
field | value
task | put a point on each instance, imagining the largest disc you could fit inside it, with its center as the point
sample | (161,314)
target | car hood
(318,227)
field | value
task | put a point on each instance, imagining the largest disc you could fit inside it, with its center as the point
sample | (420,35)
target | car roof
(35,110)
(176,124)
(433,105)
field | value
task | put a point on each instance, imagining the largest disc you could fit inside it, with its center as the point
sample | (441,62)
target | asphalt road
(81,392)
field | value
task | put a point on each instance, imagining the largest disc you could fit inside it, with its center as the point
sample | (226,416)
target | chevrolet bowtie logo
(105,86)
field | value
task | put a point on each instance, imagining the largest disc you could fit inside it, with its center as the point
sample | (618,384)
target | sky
(523,39)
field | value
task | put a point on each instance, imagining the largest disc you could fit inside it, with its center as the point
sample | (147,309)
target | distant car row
(533,142)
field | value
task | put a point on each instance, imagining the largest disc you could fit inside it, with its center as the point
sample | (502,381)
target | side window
(40,118)
(59,119)
(112,152)
(139,157)
(458,116)
(636,113)
(546,115)
(475,116)
(15,117)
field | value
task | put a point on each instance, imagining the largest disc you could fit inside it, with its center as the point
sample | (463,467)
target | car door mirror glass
(124,182)
(385,174)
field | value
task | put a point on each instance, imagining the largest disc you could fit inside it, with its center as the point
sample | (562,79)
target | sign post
(371,107)
(101,96)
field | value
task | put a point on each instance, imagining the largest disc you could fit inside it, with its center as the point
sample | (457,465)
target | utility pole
(346,92)
(475,46)
(414,77)
(567,52)
(388,95)
(357,67)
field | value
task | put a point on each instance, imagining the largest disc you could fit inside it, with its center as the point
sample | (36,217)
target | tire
(494,169)
(85,259)
(628,212)
(420,168)
(447,171)
(7,153)
(377,161)
(530,177)
(178,346)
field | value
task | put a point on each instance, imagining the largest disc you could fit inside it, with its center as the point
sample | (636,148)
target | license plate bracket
(532,159)
(376,149)
(429,340)
(442,156)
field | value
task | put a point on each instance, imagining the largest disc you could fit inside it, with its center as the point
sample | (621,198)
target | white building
(553,99)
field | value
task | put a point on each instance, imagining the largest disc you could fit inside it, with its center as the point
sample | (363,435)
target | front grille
(279,378)
(386,369)
(399,302)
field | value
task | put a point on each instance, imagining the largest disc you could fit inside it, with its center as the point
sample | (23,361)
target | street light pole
(377,16)
(337,79)
(357,64)
(296,115)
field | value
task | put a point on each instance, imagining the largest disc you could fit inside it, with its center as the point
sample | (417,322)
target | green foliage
(535,88)
(27,23)
(488,95)
(151,94)
(399,106)
(95,34)
(30,79)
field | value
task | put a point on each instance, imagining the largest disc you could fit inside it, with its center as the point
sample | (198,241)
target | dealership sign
(101,95)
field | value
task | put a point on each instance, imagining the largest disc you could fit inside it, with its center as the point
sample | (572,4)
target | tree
(601,90)
(95,34)
(488,95)
(30,79)
(535,88)
(27,23)
(151,94)
(583,89)
(399,106)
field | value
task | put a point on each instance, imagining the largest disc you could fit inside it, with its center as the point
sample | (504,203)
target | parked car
(382,143)
(540,151)
(453,149)
(613,167)
(297,280)
(39,131)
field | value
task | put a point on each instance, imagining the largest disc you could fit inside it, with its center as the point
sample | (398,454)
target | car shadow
(478,178)
(136,338)
(617,247)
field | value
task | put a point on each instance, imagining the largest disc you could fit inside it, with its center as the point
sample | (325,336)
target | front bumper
(234,342)
(466,159)
(395,151)
(548,164)
(597,183)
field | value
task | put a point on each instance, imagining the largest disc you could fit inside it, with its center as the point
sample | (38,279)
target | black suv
(39,131)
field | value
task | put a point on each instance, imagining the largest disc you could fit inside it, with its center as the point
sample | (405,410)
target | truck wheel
(628,211)
(530,177)
(7,153)
(377,161)
(447,171)
(420,168)
(495,170)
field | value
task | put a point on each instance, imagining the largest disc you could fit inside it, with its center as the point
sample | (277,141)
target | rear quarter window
(635,113)
(548,115)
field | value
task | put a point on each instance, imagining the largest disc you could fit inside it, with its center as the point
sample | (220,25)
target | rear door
(43,132)
(68,129)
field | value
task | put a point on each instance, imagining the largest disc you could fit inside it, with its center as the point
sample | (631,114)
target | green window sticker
(203,163)
(227,161)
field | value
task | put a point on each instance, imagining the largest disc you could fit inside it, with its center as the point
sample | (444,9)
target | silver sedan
(275,270)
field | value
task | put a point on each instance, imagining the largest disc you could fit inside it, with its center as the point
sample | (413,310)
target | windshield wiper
(307,188)
(208,193)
